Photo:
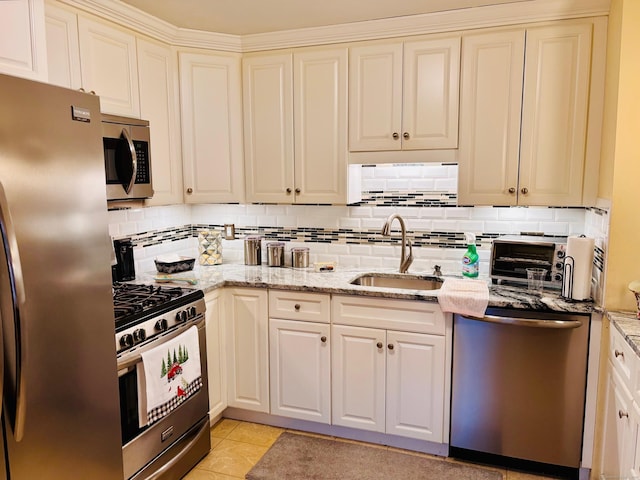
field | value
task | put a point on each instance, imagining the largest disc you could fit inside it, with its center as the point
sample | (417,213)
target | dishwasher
(518,389)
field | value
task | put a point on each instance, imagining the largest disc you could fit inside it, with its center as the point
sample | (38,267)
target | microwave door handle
(14,268)
(134,160)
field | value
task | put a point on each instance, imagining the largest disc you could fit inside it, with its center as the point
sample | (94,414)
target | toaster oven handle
(18,300)
(134,161)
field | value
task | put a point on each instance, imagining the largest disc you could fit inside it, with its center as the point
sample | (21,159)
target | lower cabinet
(216,353)
(388,381)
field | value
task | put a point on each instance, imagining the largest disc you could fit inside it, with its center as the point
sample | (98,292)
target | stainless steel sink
(409,282)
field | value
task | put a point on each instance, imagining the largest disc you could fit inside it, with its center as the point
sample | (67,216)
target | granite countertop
(628,324)
(338,282)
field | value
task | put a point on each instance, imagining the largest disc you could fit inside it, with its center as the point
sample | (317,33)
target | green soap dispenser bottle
(470,260)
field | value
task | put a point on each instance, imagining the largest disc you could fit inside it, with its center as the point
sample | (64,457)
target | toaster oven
(511,255)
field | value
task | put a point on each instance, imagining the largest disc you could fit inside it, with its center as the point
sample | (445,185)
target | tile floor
(237,446)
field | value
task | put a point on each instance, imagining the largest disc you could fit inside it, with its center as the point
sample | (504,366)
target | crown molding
(438,22)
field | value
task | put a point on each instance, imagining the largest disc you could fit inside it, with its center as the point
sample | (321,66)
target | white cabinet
(404,95)
(295,117)
(63,50)
(109,67)
(247,348)
(211,107)
(523,142)
(386,380)
(160,105)
(216,352)
(299,355)
(23,50)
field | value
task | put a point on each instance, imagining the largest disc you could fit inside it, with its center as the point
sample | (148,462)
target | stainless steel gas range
(150,320)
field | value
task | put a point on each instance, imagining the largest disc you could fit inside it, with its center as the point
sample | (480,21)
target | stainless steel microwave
(127,160)
(511,255)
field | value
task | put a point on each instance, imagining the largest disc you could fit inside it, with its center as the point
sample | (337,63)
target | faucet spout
(405,260)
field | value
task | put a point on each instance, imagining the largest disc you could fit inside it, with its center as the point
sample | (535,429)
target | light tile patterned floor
(237,446)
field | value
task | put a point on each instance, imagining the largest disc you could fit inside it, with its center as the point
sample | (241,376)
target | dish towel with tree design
(168,375)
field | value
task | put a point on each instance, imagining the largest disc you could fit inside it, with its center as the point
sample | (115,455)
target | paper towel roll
(578,267)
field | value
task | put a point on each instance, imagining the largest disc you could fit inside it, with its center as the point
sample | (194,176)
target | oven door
(142,446)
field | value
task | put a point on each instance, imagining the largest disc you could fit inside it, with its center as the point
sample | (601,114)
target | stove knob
(192,312)
(181,316)
(139,335)
(126,340)
(162,325)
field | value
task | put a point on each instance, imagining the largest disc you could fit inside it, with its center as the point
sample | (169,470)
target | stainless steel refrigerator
(60,404)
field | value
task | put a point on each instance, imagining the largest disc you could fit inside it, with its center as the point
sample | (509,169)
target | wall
(423,194)
(622,146)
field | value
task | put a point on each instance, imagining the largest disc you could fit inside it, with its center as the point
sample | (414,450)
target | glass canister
(209,247)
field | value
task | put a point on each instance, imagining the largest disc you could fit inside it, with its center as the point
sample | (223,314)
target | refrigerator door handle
(528,322)
(14,268)
(134,160)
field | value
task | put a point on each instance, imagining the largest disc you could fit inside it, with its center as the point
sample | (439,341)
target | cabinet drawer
(623,358)
(311,307)
(404,315)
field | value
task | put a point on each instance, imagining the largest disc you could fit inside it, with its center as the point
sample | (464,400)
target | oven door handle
(128,363)
(167,466)
(134,161)
(528,322)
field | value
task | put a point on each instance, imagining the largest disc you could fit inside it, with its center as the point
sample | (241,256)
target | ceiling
(245,17)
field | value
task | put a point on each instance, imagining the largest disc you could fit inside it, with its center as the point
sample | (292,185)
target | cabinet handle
(512,190)
(395,136)
(623,414)
(297,190)
(390,346)
(524,190)
(189,190)
(405,135)
(288,191)
(297,307)
(618,353)
(379,345)
(323,339)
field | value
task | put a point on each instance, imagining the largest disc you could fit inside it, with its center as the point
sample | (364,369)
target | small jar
(300,257)
(209,247)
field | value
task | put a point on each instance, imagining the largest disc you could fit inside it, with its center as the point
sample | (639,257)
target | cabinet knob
(512,190)
(323,339)
(524,190)
(623,414)
(189,190)
(297,190)
(288,191)
(297,307)
(390,346)
(395,136)
(618,353)
(379,345)
(405,135)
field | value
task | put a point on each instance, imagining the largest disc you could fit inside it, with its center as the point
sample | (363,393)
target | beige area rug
(302,457)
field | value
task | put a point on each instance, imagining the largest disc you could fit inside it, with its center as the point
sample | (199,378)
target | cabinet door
(415,385)
(268,122)
(320,115)
(300,362)
(216,353)
(109,66)
(23,50)
(554,115)
(431,71)
(159,103)
(358,383)
(490,104)
(375,97)
(63,50)
(247,345)
(211,128)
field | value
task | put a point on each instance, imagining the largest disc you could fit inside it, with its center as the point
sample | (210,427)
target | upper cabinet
(23,50)
(63,50)
(211,106)
(404,95)
(524,115)
(295,117)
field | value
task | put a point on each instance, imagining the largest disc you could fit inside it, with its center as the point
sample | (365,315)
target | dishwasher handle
(529,322)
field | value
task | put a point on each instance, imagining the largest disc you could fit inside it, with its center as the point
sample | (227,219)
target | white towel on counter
(168,375)
(465,296)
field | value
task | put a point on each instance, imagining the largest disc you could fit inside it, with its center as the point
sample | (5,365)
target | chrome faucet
(405,260)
